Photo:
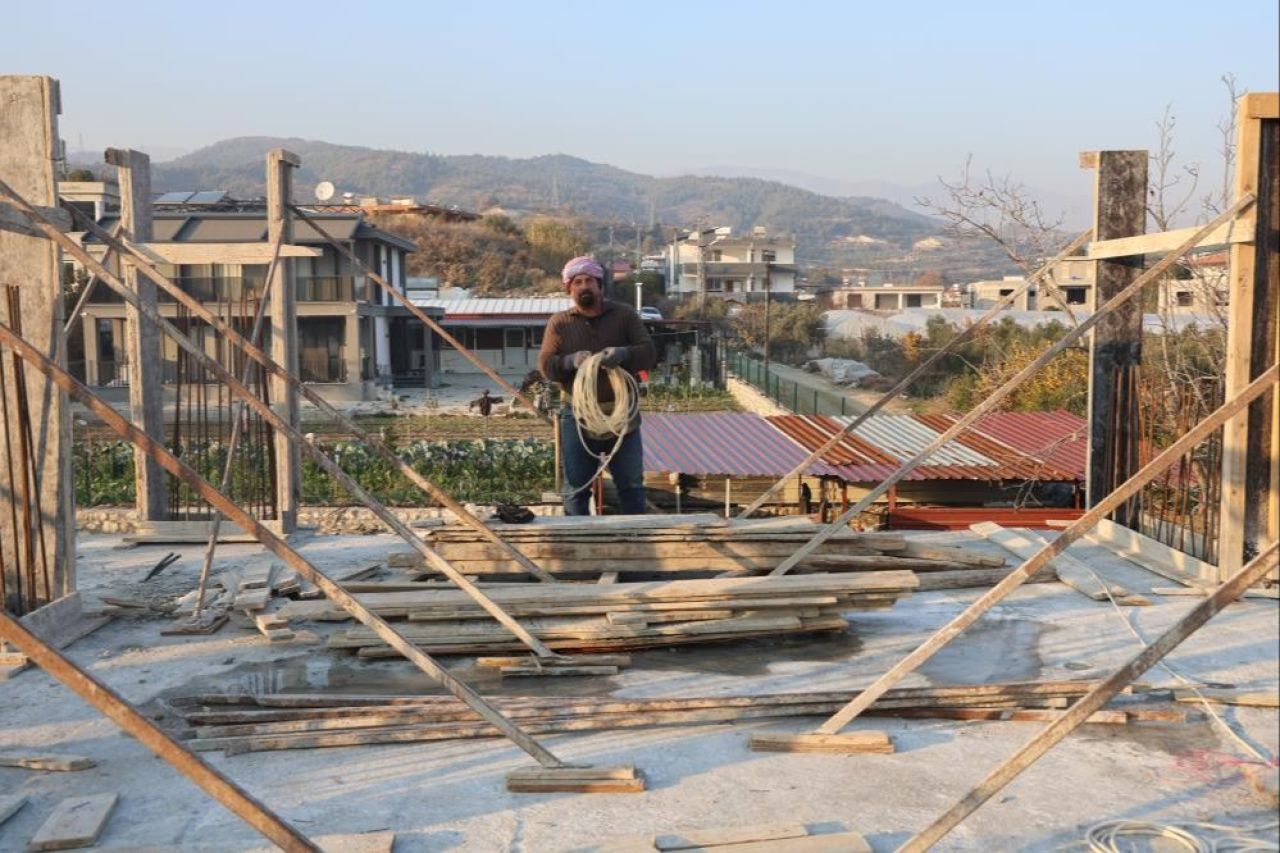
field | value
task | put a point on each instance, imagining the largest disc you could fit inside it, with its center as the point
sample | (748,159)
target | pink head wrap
(582,265)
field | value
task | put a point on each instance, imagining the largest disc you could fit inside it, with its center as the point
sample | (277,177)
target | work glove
(574,360)
(613,356)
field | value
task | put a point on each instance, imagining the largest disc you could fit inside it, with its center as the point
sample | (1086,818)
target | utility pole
(768,303)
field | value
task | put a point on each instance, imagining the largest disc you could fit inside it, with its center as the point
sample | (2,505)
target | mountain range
(835,231)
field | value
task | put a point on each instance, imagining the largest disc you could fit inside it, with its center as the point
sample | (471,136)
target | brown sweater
(571,331)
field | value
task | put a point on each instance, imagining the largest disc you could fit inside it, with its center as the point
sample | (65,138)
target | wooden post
(146,389)
(284,335)
(37,512)
(1250,441)
(1120,210)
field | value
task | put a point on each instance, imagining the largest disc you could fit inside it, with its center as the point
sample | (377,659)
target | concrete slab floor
(450,795)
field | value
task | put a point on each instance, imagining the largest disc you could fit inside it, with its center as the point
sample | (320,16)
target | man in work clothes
(594,324)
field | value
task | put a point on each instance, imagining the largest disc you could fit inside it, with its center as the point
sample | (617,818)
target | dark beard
(585,299)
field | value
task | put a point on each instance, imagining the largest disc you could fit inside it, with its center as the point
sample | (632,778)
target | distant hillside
(822,224)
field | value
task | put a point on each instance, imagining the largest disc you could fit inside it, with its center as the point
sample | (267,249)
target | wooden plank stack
(675,545)
(621,617)
(236,723)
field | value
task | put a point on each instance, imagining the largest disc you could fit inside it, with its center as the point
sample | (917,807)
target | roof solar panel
(208,197)
(175,197)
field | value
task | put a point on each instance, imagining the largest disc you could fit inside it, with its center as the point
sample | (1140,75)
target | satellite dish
(324,191)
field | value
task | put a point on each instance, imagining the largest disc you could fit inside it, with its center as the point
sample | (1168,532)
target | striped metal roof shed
(880,445)
(480,306)
(735,444)
(1059,438)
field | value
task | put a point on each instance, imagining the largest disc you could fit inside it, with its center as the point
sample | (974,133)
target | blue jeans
(581,463)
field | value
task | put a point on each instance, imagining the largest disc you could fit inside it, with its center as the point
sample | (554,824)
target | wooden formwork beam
(1003,391)
(1250,500)
(1091,702)
(1078,528)
(335,593)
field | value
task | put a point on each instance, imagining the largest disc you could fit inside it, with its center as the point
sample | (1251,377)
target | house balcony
(736,269)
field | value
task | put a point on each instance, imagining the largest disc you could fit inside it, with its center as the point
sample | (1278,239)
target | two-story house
(713,262)
(352,338)
(1070,283)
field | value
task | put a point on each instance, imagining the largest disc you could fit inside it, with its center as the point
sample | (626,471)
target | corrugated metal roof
(736,444)
(1018,462)
(1059,438)
(880,445)
(902,436)
(541,306)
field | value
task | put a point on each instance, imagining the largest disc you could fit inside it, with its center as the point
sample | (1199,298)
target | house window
(1184,298)
(768,256)
(716,255)
(1075,295)
(1005,292)
(488,339)
(913,300)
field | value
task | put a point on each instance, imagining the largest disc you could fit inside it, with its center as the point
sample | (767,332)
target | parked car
(648,312)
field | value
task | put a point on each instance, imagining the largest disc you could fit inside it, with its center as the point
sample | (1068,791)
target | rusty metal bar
(388,518)
(1082,525)
(1004,390)
(256,353)
(274,544)
(920,370)
(233,443)
(419,313)
(1092,701)
(237,800)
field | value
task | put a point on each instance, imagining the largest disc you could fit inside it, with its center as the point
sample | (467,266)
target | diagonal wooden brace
(274,544)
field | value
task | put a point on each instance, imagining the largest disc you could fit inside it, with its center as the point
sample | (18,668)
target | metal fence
(799,398)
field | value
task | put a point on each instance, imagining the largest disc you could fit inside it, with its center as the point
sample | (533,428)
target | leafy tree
(552,242)
(793,328)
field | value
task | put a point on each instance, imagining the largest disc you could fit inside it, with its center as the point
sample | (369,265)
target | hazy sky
(895,91)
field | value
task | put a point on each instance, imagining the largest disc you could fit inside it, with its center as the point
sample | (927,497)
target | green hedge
(482,471)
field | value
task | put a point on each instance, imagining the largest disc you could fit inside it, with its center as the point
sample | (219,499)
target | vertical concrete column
(37,507)
(1120,210)
(89,333)
(146,389)
(284,334)
(351,346)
